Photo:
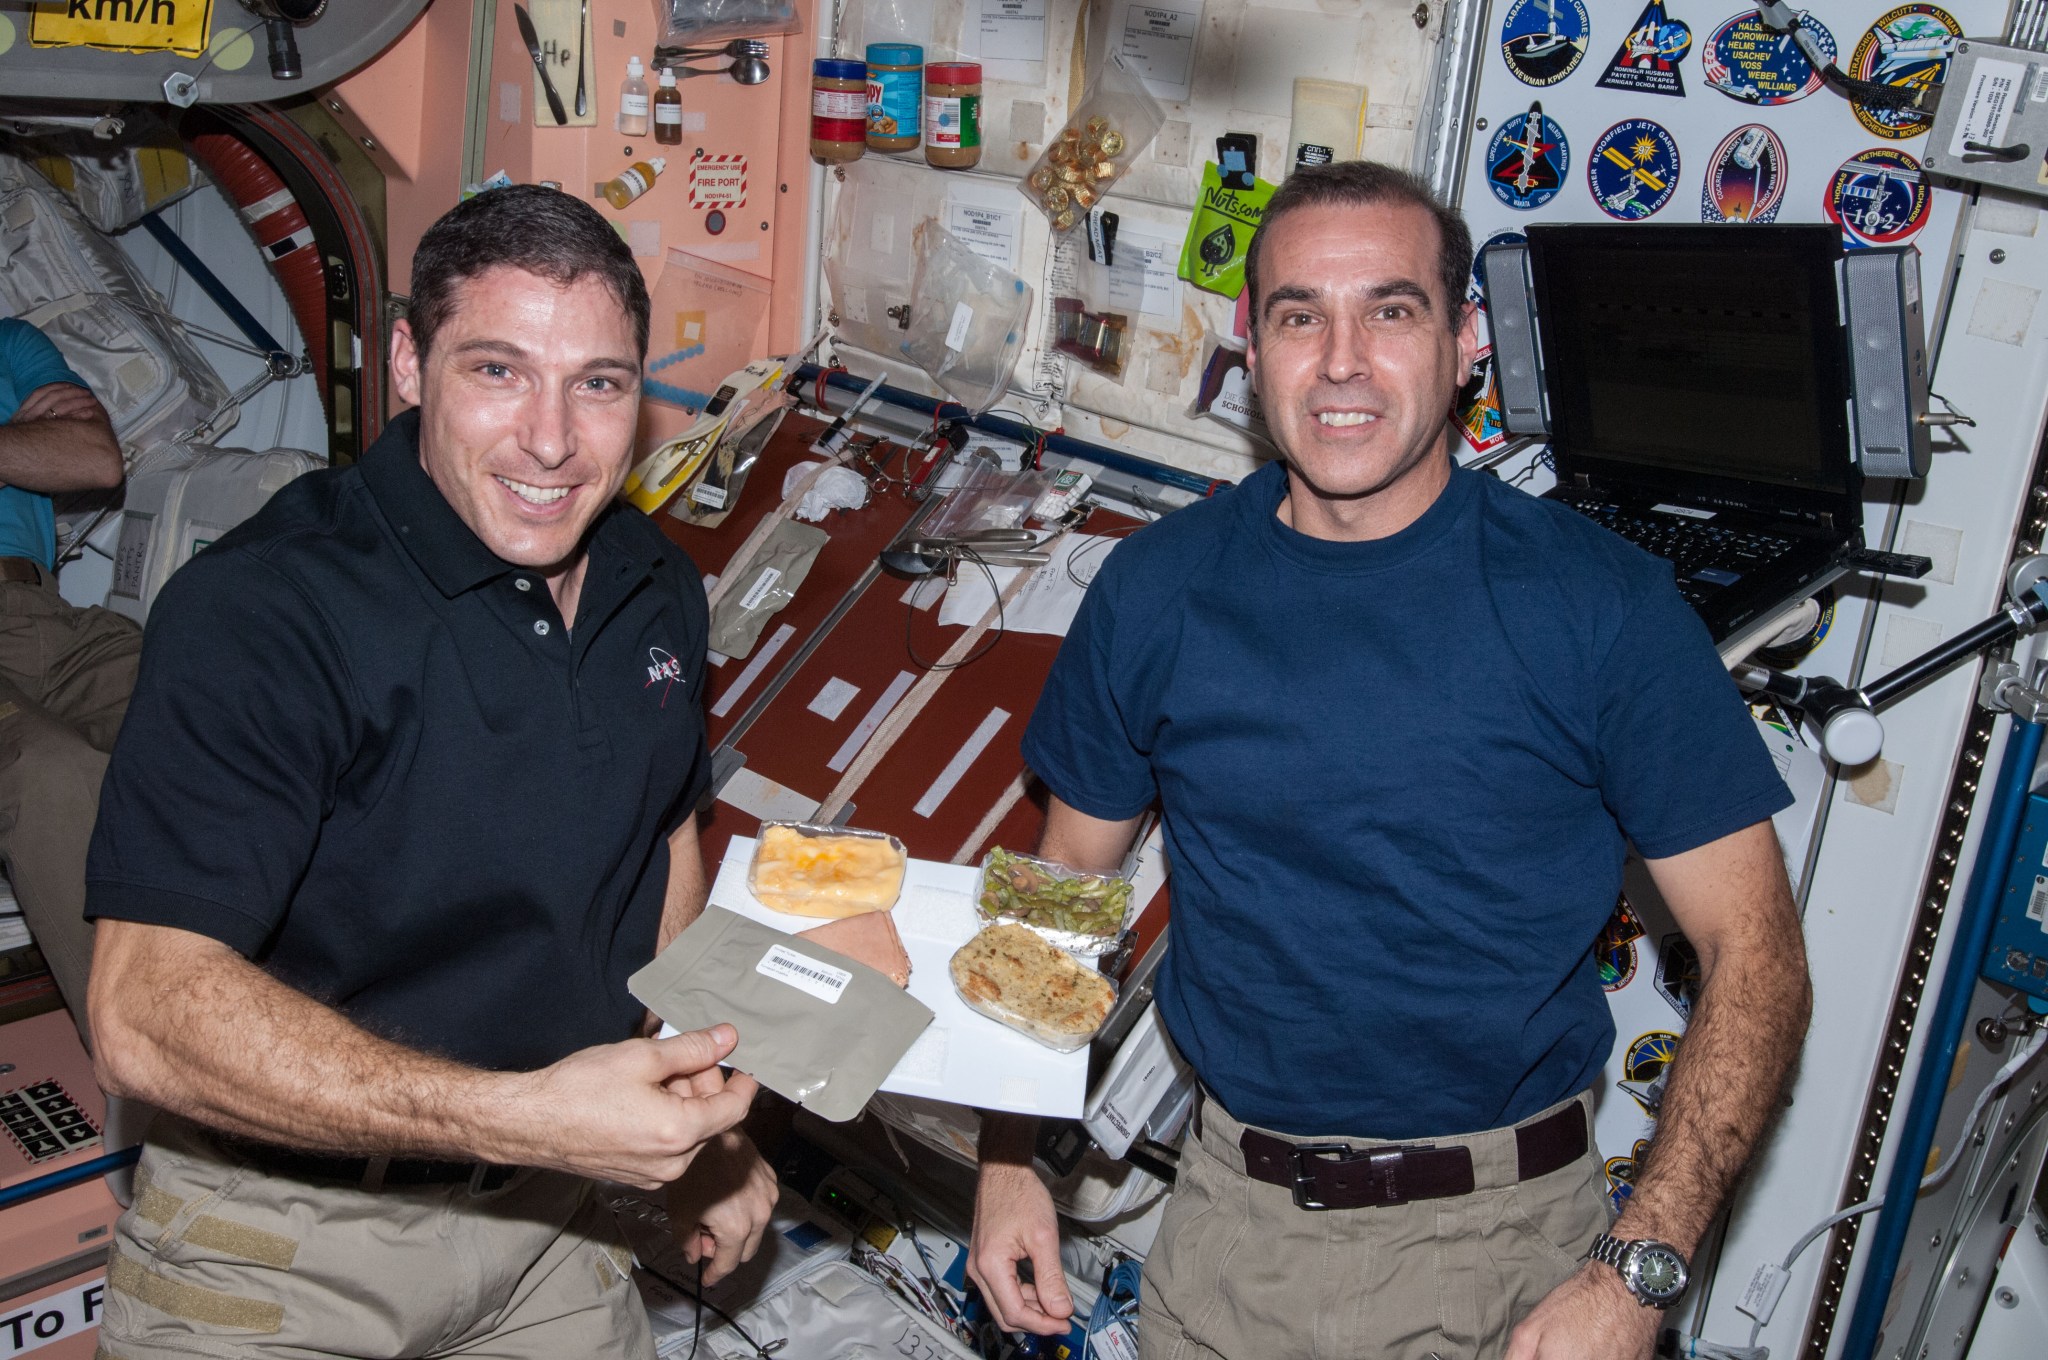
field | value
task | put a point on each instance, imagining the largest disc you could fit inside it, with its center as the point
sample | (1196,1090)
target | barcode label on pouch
(821,980)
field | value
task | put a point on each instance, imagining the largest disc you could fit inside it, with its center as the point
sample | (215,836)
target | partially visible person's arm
(187,1024)
(1013,1214)
(687,890)
(1732,900)
(59,440)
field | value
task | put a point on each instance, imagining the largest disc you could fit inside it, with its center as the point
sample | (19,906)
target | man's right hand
(634,1112)
(1014,1222)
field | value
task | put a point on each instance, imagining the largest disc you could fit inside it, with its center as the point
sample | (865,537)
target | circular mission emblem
(1746,61)
(1633,169)
(1879,197)
(1527,160)
(1745,181)
(1543,41)
(1908,47)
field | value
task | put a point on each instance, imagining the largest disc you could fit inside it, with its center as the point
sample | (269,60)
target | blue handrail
(70,1175)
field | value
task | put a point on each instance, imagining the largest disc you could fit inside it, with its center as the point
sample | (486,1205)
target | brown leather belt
(25,570)
(1342,1176)
(366,1173)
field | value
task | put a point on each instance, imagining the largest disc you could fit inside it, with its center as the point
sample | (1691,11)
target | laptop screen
(1708,350)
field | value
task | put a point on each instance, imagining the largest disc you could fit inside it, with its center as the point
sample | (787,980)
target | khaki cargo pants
(1239,1272)
(65,675)
(219,1258)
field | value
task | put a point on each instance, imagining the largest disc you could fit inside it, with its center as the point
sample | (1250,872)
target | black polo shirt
(364,752)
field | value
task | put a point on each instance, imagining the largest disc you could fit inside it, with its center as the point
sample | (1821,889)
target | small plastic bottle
(668,110)
(633,181)
(633,100)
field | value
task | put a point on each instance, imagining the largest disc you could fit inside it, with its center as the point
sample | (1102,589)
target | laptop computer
(1699,394)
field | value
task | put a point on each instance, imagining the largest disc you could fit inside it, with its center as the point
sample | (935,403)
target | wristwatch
(1655,1272)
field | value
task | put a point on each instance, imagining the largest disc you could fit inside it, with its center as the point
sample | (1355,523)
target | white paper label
(632,106)
(709,496)
(1013,30)
(763,583)
(1143,278)
(989,232)
(1689,511)
(839,104)
(832,699)
(2037,903)
(1159,43)
(670,115)
(804,973)
(956,333)
(47,1321)
(1987,105)
(1114,1341)
(942,121)
(131,553)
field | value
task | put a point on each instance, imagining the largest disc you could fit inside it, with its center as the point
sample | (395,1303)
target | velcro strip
(191,1302)
(243,1242)
(157,1206)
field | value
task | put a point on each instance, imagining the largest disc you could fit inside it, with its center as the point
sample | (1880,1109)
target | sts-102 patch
(1879,198)
(1746,61)
(1633,169)
(1647,60)
(1543,41)
(1745,181)
(1527,160)
(1909,47)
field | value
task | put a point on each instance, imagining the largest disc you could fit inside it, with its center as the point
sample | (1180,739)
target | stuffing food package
(1102,138)
(1012,976)
(825,871)
(815,1026)
(1084,914)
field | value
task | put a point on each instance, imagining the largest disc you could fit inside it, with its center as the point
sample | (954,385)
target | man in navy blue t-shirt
(1402,722)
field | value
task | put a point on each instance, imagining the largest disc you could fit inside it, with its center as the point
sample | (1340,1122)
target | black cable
(995,635)
(697,1294)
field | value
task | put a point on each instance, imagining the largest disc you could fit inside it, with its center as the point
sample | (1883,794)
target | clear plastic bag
(1012,976)
(1103,137)
(695,23)
(869,263)
(967,320)
(1084,914)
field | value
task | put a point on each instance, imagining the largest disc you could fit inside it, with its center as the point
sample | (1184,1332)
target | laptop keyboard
(1705,557)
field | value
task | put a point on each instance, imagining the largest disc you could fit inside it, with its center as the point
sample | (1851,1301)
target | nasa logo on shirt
(1647,60)
(1543,41)
(1527,160)
(1909,47)
(1633,169)
(1879,197)
(1745,180)
(663,670)
(1746,61)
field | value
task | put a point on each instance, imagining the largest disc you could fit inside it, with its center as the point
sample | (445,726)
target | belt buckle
(1304,1181)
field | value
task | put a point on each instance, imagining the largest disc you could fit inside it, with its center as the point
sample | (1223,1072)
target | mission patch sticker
(1678,974)
(1478,407)
(1633,169)
(1527,160)
(1879,197)
(1908,47)
(1747,61)
(1615,950)
(1543,41)
(1646,1066)
(1622,1172)
(1745,180)
(1647,60)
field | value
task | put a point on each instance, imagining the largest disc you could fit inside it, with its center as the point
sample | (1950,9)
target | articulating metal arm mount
(1846,718)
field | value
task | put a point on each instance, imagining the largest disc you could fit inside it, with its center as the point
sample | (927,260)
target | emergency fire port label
(718,181)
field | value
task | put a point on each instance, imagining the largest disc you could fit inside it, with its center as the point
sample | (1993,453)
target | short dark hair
(527,226)
(1358,184)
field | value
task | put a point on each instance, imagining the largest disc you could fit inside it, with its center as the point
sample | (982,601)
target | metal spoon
(746,70)
(738,47)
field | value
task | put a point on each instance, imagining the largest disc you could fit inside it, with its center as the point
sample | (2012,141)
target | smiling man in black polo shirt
(395,812)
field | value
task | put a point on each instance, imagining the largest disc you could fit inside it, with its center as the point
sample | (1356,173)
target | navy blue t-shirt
(1396,778)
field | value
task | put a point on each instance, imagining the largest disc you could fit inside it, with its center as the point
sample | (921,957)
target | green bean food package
(1212,257)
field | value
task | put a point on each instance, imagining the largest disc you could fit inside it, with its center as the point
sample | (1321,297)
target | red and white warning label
(718,181)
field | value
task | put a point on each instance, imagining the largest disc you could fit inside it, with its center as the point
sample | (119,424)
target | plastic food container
(1012,976)
(839,110)
(825,871)
(1084,914)
(895,95)
(952,114)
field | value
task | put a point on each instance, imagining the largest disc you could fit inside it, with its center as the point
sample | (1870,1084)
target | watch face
(1660,1273)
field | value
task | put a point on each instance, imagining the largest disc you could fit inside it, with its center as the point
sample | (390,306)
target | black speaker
(1887,362)
(1517,351)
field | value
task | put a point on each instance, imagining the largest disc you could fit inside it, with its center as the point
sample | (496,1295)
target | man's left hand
(58,401)
(720,1208)
(1591,1316)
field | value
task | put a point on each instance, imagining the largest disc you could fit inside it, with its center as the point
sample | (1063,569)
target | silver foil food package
(814,1026)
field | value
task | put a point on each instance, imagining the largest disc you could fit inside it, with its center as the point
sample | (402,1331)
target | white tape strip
(970,751)
(265,206)
(865,728)
(776,642)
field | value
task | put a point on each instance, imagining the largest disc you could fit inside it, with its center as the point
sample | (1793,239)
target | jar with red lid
(952,114)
